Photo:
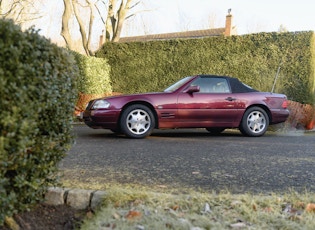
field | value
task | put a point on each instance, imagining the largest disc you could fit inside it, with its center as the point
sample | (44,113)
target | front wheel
(137,121)
(254,122)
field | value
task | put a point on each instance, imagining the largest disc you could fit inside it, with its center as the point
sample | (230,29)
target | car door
(213,106)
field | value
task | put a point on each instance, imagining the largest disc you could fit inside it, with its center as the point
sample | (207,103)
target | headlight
(101,104)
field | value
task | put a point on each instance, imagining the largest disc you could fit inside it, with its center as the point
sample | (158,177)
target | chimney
(102,40)
(228,24)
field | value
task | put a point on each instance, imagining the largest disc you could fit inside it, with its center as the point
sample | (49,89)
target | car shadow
(193,133)
(169,133)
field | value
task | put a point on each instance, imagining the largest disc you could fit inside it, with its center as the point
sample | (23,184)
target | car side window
(212,85)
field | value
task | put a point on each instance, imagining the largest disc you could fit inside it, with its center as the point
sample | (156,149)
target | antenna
(276,77)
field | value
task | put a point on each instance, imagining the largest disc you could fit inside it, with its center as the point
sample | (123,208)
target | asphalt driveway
(195,159)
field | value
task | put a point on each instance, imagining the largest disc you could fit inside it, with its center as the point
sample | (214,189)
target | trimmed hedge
(37,101)
(94,77)
(254,58)
(93,80)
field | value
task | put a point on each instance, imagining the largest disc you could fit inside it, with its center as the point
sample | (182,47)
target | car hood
(137,95)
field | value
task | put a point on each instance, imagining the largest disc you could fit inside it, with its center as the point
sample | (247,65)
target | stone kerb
(77,198)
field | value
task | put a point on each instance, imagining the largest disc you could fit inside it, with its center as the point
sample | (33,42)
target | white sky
(164,16)
(249,16)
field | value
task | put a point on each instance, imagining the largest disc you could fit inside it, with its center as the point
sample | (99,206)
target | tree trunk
(111,20)
(65,33)
(121,17)
(91,22)
(116,17)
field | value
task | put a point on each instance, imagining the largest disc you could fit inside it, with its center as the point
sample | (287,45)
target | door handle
(230,98)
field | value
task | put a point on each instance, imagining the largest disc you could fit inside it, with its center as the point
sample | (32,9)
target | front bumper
(101,119)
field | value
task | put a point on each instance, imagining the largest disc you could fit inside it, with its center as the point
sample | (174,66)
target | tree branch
(122,13)
(99,13)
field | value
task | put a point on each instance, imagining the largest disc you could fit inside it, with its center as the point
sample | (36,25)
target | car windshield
(177,85)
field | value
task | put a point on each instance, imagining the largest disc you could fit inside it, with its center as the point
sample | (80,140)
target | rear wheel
(254,122)
(137,121)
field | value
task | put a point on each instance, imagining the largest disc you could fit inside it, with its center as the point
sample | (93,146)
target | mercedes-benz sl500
(202,101)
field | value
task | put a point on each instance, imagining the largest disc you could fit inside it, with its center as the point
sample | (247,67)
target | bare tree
(213,21)
(112,13)
(122,15)
(282,29)
(20,11)
(255,26)
(65,30)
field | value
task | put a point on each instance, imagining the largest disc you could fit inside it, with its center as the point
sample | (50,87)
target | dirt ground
(48,217)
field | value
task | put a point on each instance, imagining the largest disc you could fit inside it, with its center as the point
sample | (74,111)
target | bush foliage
(37,100)
(254,58)
(94,77)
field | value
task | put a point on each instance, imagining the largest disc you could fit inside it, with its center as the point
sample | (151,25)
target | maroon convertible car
(202,101)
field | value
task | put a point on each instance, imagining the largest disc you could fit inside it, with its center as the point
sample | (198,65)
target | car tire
(137,121)
(255,122)
(215,130)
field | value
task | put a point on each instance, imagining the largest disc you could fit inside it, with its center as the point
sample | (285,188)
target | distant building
(228,30)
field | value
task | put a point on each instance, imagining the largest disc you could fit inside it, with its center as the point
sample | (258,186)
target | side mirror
(193,89)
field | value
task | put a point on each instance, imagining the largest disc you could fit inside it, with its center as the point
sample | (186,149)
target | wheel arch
(264,107)
(149,105)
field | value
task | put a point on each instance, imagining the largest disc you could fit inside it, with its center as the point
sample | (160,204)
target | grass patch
(138,207)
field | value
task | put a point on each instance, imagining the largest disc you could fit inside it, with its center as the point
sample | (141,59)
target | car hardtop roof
(236,85)
(214,76)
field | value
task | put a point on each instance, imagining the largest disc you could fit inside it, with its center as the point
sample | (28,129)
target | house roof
(176,35)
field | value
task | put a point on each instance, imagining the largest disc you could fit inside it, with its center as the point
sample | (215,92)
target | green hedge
(94,77)
(37,101)
(255,58)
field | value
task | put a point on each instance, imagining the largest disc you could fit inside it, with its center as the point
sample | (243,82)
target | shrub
(253,58)
(37,101)
(94,75)
(93,80)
